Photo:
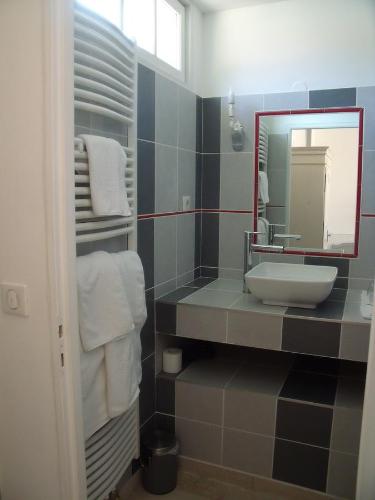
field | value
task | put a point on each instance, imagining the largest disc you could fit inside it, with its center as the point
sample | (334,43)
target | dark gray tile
(340,284)
(304,423)
(148,330)
(164,422)
(146,249)
(198,180)
(311,337)
(200,282)
(211,124)
(146,177)
(147,390)
(146,103)
(166,111)
(210,242)
(315,364)
(333,98)
(247,452)
(311,387)
(166,310)
(300,464)
(350,392)
(165,395)
(329,309)
(198,241)
(368,183)
(199,124)
(211,181)
(210,272)
(341,264)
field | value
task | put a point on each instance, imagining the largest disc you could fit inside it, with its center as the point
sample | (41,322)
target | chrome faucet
(250,247)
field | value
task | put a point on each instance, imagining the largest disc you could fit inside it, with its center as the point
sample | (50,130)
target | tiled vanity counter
(218,311)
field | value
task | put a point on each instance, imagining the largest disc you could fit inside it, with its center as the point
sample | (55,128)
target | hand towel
(263,226)
(263,187)
(132,275)
(95,413)
(104,311)
(123,372)
(90,363)
(107,163)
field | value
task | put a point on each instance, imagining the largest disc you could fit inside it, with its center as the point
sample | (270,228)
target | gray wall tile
(346,430)
(247,452)
(250,411)
(254,330)
(368,183)
(366,99)
(342,475)
(209,372)
(165,249)
(185,243)
(166,188)
(199,440)
(231,228)
(201,323)
(166,111)
(261,379)
(286,100)
(236,181)
(332,98)
(186,176)
(199,402)
(354,342)
(245,107)
(364,265)
(187,119)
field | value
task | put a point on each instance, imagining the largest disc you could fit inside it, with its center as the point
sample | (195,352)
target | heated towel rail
(105,84)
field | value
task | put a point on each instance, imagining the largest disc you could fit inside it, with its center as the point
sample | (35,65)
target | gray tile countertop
(227,294)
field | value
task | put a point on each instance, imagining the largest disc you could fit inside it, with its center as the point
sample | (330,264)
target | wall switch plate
(14,299)
(186,203)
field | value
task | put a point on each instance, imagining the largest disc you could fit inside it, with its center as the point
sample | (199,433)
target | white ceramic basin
(293,285)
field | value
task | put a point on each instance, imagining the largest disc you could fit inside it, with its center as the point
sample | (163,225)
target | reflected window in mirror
(308,172)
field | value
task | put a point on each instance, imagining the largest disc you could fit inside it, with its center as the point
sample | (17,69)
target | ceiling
(212,5)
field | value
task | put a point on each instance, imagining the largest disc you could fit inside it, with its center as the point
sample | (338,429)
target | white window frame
(157,64)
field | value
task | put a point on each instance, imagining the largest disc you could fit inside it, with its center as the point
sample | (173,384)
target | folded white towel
(104,311)
(95,413)
(263,227)
(107,163)
(263,187)
(131,271)
(123,372)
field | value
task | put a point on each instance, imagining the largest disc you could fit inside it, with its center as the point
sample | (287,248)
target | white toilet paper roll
(172,360)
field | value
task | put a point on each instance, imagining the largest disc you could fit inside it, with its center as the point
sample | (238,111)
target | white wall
(266,48)
(29,460)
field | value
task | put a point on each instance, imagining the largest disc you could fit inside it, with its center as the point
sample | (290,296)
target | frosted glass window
(109,9)
(168,33)
(139,22)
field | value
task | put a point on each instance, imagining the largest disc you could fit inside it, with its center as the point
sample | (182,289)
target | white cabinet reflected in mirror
(308,167)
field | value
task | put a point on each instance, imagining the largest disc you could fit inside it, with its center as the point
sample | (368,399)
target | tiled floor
(141,494)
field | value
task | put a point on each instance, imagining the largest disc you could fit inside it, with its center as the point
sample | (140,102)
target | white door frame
(59,172)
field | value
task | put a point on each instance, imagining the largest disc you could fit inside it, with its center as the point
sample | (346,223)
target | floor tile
(314,388)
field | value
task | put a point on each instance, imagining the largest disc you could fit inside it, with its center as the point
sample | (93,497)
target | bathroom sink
(292,285)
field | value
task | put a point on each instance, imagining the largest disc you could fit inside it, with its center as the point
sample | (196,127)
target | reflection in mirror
(308,180)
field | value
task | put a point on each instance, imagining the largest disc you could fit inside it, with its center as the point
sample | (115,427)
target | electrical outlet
(186,203)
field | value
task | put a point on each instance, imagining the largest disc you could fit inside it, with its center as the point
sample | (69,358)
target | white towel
(95,413)
(104,311)
(263,187)
(107,163)
(123,372)
(90,364)
(131,271)
(263,227)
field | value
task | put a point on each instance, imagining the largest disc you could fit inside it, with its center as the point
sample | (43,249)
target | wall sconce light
(237,129)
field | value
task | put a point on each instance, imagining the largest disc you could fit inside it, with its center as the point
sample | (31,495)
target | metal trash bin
(159,462)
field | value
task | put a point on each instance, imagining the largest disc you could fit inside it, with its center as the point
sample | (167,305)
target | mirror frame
(258,116)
